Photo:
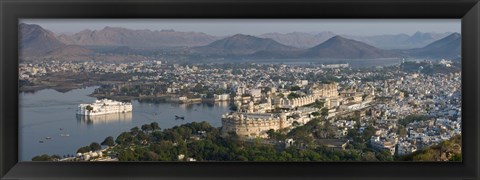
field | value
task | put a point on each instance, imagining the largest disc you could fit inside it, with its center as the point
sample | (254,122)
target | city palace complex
(410,105)
(254,117)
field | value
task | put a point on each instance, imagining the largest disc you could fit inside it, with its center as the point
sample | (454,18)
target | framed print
(239,89)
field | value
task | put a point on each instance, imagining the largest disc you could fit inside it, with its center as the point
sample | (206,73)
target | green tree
(352,133)
(108,141)
(95,146)
(84,149)
(151,156)
(271,134)
(384,155)
(198,88)
(412,118)
(368,132)
(295,124)
(326,130)
(402,132)
(456,157)
(135,130)
(293,95)
(233,107)
(46,157)
(210,95)
(124,138)
(155,126)
(146,127)
(294,88)
(369,156)
(89,108)
(219,91)
(324,112)
(127,155)
(141,138)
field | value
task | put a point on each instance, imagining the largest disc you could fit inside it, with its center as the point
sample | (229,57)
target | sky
(223,27)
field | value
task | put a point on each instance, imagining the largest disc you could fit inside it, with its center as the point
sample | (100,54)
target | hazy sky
(221,27)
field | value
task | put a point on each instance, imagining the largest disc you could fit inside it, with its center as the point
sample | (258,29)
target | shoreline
(55,134)
(163,98)
(63,88)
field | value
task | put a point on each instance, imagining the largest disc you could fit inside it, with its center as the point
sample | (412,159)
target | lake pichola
(48,123)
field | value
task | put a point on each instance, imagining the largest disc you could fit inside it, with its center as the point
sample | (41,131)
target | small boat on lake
(40,141)
(179,117)
(48,137)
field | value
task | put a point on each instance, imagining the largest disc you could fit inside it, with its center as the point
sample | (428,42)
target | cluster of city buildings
(427,133)
(436,96)
(278,96)
(30,70)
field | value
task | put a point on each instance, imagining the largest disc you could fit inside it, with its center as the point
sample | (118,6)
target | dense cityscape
(278,111)
(240,90)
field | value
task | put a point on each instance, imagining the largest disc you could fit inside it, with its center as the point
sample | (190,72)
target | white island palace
(104,106)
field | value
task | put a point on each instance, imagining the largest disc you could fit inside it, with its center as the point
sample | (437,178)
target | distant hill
(425,38)
(35,41)
(343,48)
(70,52)
(399,41)
(125,50)
(387,41)
(299,39)
(115,36)
(448,47)
(240,44)
(336,47)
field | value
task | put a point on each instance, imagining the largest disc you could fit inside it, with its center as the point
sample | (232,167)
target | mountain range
(36,42)
(116,36)
(300,39)
(448,47)
(241,44)
(400,41)
(388,41)
(342,48)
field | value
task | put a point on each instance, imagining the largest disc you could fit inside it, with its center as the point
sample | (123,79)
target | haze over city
(224,27)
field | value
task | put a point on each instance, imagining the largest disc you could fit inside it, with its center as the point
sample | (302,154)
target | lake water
(353,63)
(48,113)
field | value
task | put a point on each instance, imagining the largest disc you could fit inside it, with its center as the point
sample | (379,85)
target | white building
(104,106)
(221,97)
(405,148)
(334,66)
(256,92)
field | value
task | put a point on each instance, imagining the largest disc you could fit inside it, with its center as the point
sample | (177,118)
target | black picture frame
(13,10)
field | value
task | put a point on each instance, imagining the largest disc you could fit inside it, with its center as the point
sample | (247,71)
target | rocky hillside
(450,150)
